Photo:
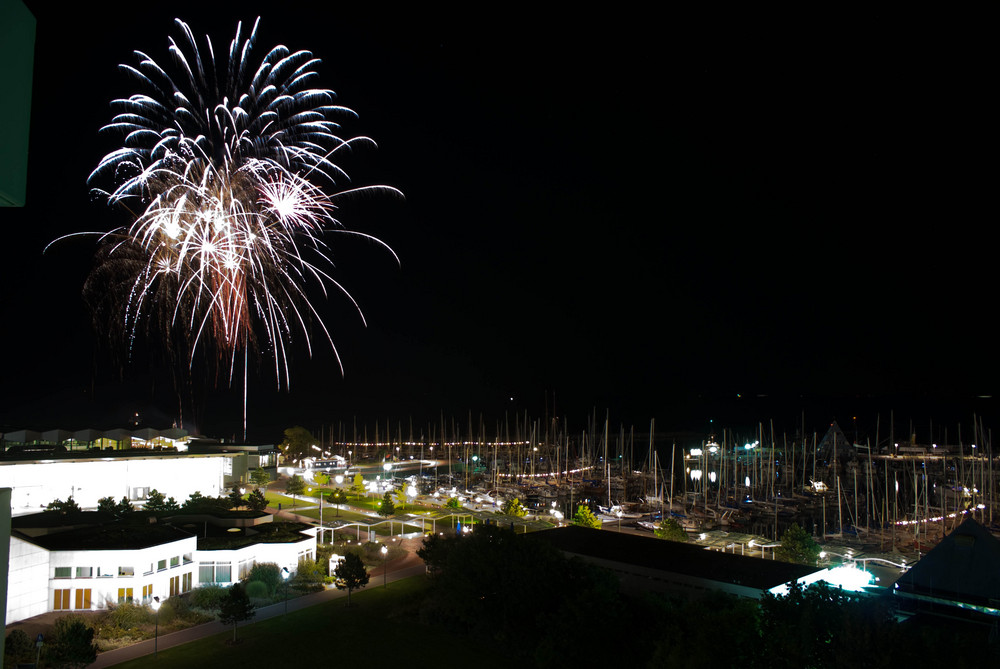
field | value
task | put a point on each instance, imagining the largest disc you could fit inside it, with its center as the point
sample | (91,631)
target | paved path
(403,568)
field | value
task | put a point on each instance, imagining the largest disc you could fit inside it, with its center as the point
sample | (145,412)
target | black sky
(653,216)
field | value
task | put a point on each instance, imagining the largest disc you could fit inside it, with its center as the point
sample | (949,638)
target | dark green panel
(17,50)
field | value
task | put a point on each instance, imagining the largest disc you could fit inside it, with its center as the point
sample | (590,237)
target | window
(245,566)
(175,561)
(64,572)
(186,582)
(82,598)
(84,572)
(147,592)
(215,572)
(105,572)
(161,565)
(188,559)
(126,571)
(61,600)
(175,585)
(124,595)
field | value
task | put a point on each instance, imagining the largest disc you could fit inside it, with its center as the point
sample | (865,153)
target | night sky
(694,217)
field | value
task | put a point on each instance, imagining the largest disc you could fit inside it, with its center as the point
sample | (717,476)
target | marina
(883,496)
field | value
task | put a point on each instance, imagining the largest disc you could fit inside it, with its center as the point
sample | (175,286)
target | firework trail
(229,174)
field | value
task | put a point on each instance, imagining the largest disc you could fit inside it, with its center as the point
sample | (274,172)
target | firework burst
(230,174)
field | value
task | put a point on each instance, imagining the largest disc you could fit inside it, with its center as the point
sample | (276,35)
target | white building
(88,565)
(36,483)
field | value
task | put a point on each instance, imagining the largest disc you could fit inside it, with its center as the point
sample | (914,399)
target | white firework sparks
(220,166)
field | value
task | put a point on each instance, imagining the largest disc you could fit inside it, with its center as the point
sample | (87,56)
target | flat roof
(90,456)
(109,536)
(674,557)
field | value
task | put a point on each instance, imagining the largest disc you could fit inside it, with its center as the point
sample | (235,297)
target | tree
(107,505)
(400,495)
(336,497)
(198,503)
(453,503)
(155,501)
(358,485)
(350,575)
(236,497)
(73,643)
(797,546)
(298,444)
(321,478)
(64,508)
(295,486)
(256,500)
(435,551)
(585,518)
(386,508)
(822,626)
(513,507)
(236,608)
(670,530)
(124,508)
(259,477)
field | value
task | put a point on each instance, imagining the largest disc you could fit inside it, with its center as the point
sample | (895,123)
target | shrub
(208,597)
(18,648)
(308,576)
(267,573)
(128,615)
(257,590)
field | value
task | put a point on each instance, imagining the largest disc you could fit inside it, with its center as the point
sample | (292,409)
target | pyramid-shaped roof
(834,442)
(964,567)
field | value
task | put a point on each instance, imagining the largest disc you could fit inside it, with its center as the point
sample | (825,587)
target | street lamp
(385,552)
(156,633)
(285,574)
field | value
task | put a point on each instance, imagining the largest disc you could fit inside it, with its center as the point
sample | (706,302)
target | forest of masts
(884,484)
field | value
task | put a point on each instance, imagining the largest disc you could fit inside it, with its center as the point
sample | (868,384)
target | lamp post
(39,642)
(385,566)
(285,574)
(156,633)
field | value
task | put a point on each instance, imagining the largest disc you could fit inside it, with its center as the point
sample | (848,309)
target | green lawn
(382,628)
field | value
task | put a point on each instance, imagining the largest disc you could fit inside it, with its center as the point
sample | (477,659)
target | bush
(128,615)
(18,648)
(257,590)
(208,597)
(267,573)
(309,576)
(71,642)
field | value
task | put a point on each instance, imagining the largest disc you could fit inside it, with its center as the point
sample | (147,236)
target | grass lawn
(381,629)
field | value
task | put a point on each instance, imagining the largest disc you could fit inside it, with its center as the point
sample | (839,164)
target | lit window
(126,571)
(64,572)
(84,572)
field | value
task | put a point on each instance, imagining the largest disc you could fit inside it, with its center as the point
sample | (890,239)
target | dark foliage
(236,608)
